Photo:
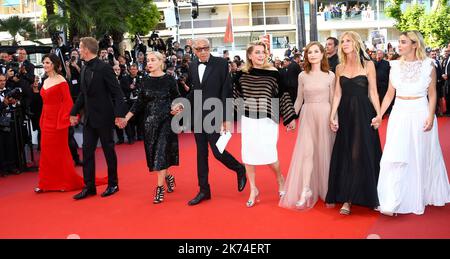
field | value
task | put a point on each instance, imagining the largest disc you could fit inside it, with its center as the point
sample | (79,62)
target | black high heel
(170,181)
(159,195)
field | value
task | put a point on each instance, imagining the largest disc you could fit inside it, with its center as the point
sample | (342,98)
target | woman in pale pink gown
(307,179)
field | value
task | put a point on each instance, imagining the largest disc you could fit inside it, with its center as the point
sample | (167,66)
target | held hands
(428,125)
(334,125)
(73,120)
(176,109)
(376,122)
(226,126)
(291,125)
(121,122)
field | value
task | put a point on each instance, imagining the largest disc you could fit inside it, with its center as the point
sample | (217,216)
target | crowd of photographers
(16,102)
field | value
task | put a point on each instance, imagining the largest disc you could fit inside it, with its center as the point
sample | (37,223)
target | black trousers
(73,146)
(202,140)
(119,133)
(90,139)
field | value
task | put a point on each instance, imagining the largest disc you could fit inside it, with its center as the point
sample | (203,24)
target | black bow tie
(204,63)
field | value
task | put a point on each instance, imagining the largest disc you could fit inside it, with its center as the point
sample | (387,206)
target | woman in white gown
(412,169)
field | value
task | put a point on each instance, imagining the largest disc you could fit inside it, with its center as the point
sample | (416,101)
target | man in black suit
(209,76)
(439,79)
(292,72)
(102,100)
(382,68)
(25,77)
(446,77)
(332,53)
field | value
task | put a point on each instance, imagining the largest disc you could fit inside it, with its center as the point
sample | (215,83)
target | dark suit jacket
(382,68)
(446,69)
(100,95)
(216,83)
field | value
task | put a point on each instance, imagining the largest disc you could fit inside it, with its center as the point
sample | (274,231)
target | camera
(73,59)
(14,66)
(105,42)
(56,37)
(15,94)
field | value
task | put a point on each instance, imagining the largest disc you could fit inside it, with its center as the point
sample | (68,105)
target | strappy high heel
(170,181)
(251,203)
(159,195)
(345,211)
(305,199)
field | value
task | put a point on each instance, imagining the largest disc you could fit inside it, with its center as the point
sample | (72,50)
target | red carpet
(131,214)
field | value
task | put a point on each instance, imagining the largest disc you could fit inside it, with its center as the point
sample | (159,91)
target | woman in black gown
(160,142)
(355,160)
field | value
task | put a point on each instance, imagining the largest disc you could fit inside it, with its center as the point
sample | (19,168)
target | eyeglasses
(205,49)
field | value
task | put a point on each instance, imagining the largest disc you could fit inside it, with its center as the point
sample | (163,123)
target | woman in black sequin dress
(160,142)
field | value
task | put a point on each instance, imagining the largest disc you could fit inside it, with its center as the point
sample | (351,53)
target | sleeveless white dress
(412,168)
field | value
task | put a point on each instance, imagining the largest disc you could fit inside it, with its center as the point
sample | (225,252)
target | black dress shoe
(120,142)
(110,191)
(85,193)
(242,180)
(199,198)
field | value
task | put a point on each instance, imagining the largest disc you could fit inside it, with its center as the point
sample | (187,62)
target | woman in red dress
(56,168)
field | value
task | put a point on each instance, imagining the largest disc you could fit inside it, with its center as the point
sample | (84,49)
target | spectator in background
(131,85)
(439,80)
(332,49)
(119,131)
(36,108)
(103,55)
(188,51)
(177,50)
(226,55)
(382,68)
(446,77)
(141,62)
(9,161)
(293,70)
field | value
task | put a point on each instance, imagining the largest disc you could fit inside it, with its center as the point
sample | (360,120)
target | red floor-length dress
(56,167)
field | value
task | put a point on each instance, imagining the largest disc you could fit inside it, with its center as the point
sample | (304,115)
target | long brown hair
(324,66)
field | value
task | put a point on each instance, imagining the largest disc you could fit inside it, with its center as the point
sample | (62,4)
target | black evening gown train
(355,160)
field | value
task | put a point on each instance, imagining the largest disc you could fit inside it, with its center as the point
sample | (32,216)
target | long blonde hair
(416,37)
(358,46)
(249,65)
(159,56)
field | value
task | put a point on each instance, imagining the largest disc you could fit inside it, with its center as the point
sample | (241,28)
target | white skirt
(412,168)
(259,141)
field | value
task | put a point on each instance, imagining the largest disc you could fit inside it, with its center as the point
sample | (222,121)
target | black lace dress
(160,142)
(355,160)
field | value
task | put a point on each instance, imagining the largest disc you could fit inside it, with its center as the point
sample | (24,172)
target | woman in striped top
(260,97)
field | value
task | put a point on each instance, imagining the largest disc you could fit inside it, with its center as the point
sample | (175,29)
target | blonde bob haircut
(249,65)
(159,56)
